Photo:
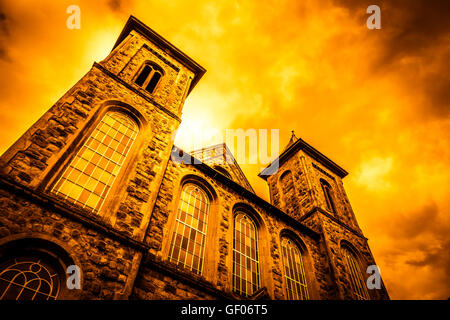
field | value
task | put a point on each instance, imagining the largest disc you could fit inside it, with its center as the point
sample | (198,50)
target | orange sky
(374,101)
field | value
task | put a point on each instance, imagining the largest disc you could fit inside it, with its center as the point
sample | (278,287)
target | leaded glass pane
(245,256)
(88,178)
(187,247)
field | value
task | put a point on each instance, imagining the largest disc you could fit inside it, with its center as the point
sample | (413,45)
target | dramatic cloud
(374,101)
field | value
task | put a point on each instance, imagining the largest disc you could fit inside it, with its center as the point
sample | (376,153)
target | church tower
(84,178)
(308,186)
(95,204)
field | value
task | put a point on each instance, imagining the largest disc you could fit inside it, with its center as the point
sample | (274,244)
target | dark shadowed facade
(96,182)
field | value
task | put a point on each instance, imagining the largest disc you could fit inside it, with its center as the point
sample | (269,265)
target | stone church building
(97,183)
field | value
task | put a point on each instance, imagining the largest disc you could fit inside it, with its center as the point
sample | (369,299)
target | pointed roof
(291,141)
(220,158)
(295,144)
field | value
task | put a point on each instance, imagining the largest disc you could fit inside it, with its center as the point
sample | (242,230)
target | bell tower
(308,186)
(114,127)
(307,179)
(85,177)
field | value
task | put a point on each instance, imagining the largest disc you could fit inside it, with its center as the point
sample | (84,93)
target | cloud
(374,101)
(120,5)
(4,33)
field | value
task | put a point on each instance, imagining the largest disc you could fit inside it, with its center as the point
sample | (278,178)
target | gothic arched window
(28,278)
(88,178)
(356,277)
(245,255)
(328,195)
(294,271)
(149,77)
(187,247)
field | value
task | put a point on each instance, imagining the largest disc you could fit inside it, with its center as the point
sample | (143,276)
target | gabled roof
(135,24)
(291,141)
(179,156)
(220,157)
(295,144)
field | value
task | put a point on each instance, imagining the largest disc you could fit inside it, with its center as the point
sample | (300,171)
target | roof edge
(134,23)
(300,144)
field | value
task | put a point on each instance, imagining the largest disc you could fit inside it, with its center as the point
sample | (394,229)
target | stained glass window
(245,256)
(28,279)
(294,272)
(187,247)
(356,277)
(88,178)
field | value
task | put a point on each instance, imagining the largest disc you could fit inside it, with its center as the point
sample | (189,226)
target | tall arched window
(187,247)
(88,178)
(149,77)
(245,255)
(328,195)
(294,272)
(356,277)
(28,278)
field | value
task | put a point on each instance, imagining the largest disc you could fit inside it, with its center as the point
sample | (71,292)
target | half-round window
(28,278)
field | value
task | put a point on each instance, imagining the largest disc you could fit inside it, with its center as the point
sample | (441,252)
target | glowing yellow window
(88,178)
(187,247)
(356,277)
(245,256)
(294,272)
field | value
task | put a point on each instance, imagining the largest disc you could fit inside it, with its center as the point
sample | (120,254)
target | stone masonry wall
(171,91)
(304,194)
(335,235)
(105,263)
(306,173)
(45,149)
(221,224)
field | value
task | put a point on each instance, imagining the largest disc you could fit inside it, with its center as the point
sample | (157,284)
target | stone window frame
(266,279)
(117,190)
(51,249)
(244,256)
(328,196)
(196,194)
(102,156)
(346,245)
(301,272)
(308,262)
(155,67)
(210,260)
